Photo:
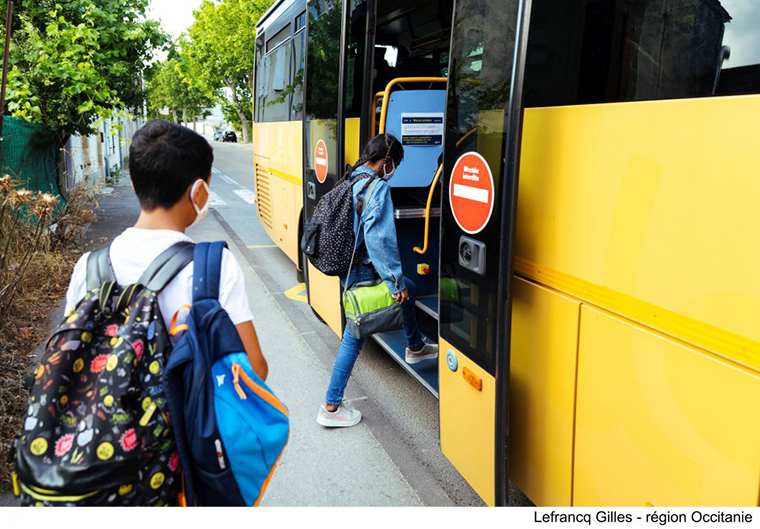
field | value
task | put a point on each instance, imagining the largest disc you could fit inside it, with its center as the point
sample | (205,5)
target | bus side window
(639,50)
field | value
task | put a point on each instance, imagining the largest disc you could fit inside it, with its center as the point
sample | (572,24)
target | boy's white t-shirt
(135,249)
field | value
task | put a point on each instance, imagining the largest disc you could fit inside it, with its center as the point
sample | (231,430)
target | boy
(170,167)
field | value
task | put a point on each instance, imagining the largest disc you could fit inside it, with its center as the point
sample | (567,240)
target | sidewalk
(316,470)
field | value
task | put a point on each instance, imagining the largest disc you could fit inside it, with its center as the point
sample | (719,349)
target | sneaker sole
(417,359)
(337,424)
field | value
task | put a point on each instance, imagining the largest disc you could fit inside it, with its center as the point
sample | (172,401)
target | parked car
(230,136)
(218,135)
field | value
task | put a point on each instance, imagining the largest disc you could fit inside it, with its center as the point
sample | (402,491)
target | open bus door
(481,161)
(322,138)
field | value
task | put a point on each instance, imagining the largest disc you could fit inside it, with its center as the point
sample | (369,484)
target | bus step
(428,305)
(425,372)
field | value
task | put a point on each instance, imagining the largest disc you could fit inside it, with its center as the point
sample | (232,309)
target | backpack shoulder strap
(167,265)
(99,268)
(371,188)
(207,271)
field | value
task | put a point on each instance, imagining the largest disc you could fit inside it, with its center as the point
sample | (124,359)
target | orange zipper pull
(236,381)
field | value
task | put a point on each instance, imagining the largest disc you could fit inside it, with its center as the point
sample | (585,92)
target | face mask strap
(203,183)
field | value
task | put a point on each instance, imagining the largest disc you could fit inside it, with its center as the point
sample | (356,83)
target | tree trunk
(238,108)
(174,115)
(184,116)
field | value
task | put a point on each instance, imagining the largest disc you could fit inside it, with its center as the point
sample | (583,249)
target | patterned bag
(328,237)
(97,430)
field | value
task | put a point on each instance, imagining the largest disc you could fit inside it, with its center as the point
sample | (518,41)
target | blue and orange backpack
(230,428)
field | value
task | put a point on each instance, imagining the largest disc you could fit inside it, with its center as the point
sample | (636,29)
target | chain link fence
(28,153)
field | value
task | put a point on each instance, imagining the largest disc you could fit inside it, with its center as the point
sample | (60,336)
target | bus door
(483,128)
(322,152)
(404,94)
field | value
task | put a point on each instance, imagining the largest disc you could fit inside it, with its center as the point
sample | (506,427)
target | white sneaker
(428,352)
(343,417)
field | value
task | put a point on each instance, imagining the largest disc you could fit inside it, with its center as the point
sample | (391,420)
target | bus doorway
(394,68)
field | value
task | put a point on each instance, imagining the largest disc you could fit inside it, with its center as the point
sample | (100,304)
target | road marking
(227,179)
(296,292)
(261,246)
(215,170)
(247,195)
(215,201)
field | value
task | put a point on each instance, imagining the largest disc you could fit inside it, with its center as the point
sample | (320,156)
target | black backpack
(328,237)
(97,428)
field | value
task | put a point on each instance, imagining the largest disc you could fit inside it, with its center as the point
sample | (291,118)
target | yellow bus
(585,251)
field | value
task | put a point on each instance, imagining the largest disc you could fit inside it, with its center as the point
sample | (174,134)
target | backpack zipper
(152,407)
(238,374)
(51,495)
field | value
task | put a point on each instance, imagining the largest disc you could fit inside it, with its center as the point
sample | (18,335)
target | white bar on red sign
(471,193)
(321,161)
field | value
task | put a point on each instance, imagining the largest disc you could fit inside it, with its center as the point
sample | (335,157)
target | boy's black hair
(164,160)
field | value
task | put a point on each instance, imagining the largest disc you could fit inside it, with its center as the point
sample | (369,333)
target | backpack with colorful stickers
(97,430)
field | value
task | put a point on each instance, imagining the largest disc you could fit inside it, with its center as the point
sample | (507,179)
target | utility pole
(8,19)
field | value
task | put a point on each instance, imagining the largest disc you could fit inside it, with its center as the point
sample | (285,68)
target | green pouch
(370,308)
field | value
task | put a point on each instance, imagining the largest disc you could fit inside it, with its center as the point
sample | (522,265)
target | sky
(742,34)
(175,15)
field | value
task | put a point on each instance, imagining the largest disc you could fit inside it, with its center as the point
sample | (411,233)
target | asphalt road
(396,443)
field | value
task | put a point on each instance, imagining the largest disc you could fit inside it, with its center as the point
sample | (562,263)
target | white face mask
(388,175)
(201,212)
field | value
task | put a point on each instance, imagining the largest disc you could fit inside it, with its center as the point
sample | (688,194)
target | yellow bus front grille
(264,195)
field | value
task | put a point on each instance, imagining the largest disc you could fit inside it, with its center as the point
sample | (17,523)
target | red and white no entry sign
(320,161)
(471,192)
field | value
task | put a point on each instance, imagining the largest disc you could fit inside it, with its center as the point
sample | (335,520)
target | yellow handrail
(389,87)
(423,250)
(374,111)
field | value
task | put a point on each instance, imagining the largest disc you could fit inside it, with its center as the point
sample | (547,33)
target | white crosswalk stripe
(247,195)
(227,179)
(215,170)
(215,201)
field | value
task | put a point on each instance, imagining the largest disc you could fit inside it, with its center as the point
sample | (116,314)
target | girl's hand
(402,297)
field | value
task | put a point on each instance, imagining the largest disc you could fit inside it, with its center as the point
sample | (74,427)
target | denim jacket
(378,232)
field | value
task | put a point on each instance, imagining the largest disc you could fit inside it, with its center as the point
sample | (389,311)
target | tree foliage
(221,50)
(173,86)
(75,62)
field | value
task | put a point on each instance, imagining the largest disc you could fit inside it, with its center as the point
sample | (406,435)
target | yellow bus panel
(661,423)
(278,166)
(324,297)
(650,210)
(542,393)
(468,421)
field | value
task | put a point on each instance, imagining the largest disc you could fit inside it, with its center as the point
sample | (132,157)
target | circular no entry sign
(320,161)
(471,192)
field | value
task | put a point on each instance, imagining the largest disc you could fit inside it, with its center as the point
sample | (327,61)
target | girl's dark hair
(382,147)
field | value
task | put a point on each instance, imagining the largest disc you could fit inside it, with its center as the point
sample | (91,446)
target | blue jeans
(350,347)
